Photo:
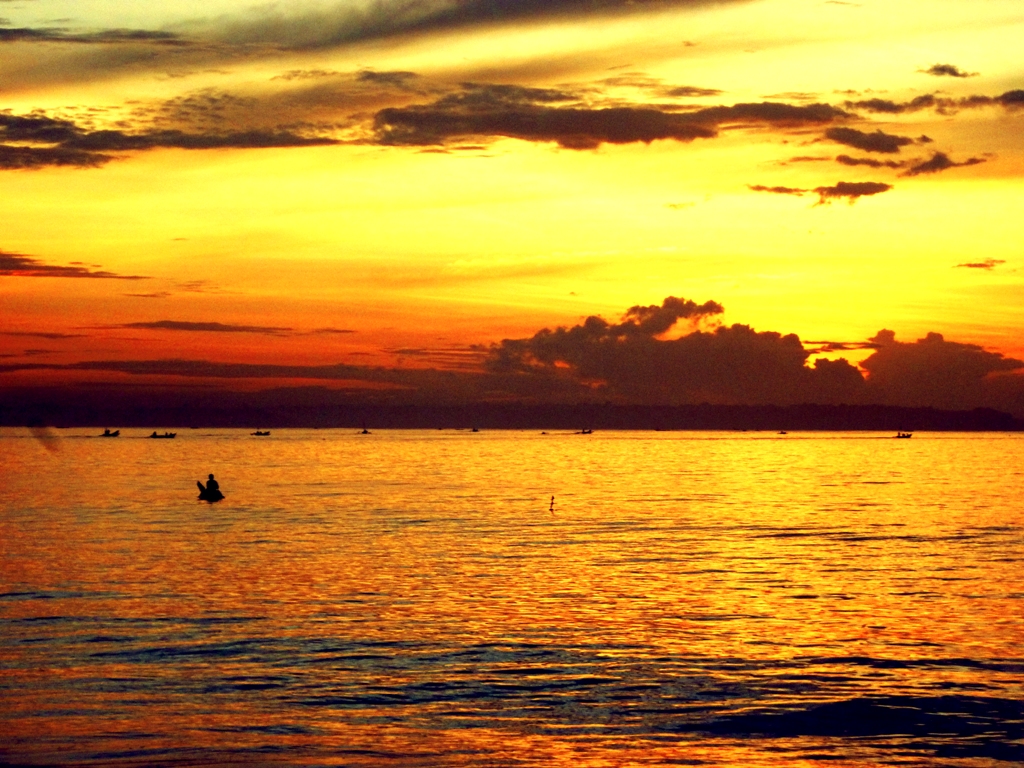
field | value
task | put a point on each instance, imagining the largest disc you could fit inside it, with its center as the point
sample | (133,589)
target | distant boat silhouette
(365,431)
(164,436)
(257,433)
(108,433)
(904,434)
(782,432)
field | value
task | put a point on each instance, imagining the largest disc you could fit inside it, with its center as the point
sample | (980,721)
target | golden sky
(382,185)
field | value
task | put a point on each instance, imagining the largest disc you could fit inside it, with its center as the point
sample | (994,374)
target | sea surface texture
(416,599)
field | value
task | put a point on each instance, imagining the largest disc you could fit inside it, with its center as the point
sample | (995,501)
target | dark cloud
(986,264)
(16,265)
(689,91)
(947,70)
(939,373)
(942,105)
(153,295)
(633,362)
(939,162)
(59,35)
(869,162)
(868,142)
(330,331)
(1012,99)
(343,24)
(182,325)
(307,74)
(777,190)
(22,158)
(627,362)
(72,145)
(43,335)
(887,106)
(839,346)
(534,114)
(735,364)
(851,190)
(396,79)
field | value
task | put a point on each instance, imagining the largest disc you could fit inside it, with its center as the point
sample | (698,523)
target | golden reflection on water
(411,597)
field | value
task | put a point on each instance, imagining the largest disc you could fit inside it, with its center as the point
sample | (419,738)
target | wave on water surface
(421,601)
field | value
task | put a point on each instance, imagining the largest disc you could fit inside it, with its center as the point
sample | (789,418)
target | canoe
(207,495)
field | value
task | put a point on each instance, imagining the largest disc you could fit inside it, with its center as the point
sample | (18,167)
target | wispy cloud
(17,265)
(988,264)
(796,191)
(331,331)
(869,162)
(184,325)
(947,70)
(943,105)
(43,335)
(301,28)
(878,141)
(850,190)
(940,161)
(68,144)
(107,36)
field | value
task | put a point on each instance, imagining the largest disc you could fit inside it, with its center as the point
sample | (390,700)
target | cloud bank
(639,360)
(545,115)
(36,141)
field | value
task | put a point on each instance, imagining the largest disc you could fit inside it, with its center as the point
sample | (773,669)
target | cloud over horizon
(635,361)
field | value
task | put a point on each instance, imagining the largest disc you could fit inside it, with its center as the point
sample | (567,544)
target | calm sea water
(411,598)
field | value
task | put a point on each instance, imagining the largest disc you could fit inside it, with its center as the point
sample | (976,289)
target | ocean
(418,598)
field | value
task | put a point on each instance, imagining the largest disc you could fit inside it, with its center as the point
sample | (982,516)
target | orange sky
(404,185)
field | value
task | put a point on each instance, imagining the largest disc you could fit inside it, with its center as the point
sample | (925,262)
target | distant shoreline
(212,412)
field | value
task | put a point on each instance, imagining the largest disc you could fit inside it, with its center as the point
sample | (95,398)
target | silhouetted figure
(552,507)
(211,492)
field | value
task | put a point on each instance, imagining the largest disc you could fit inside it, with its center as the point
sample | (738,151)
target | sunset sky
(363,194)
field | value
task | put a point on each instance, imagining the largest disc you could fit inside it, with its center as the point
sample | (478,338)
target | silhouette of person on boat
(211,492)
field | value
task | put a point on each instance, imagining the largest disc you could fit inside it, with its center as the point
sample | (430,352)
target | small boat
(258,433)
(108,433)
(365,431)
(206,494)
(782,432)
(164,436)
(904,434)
